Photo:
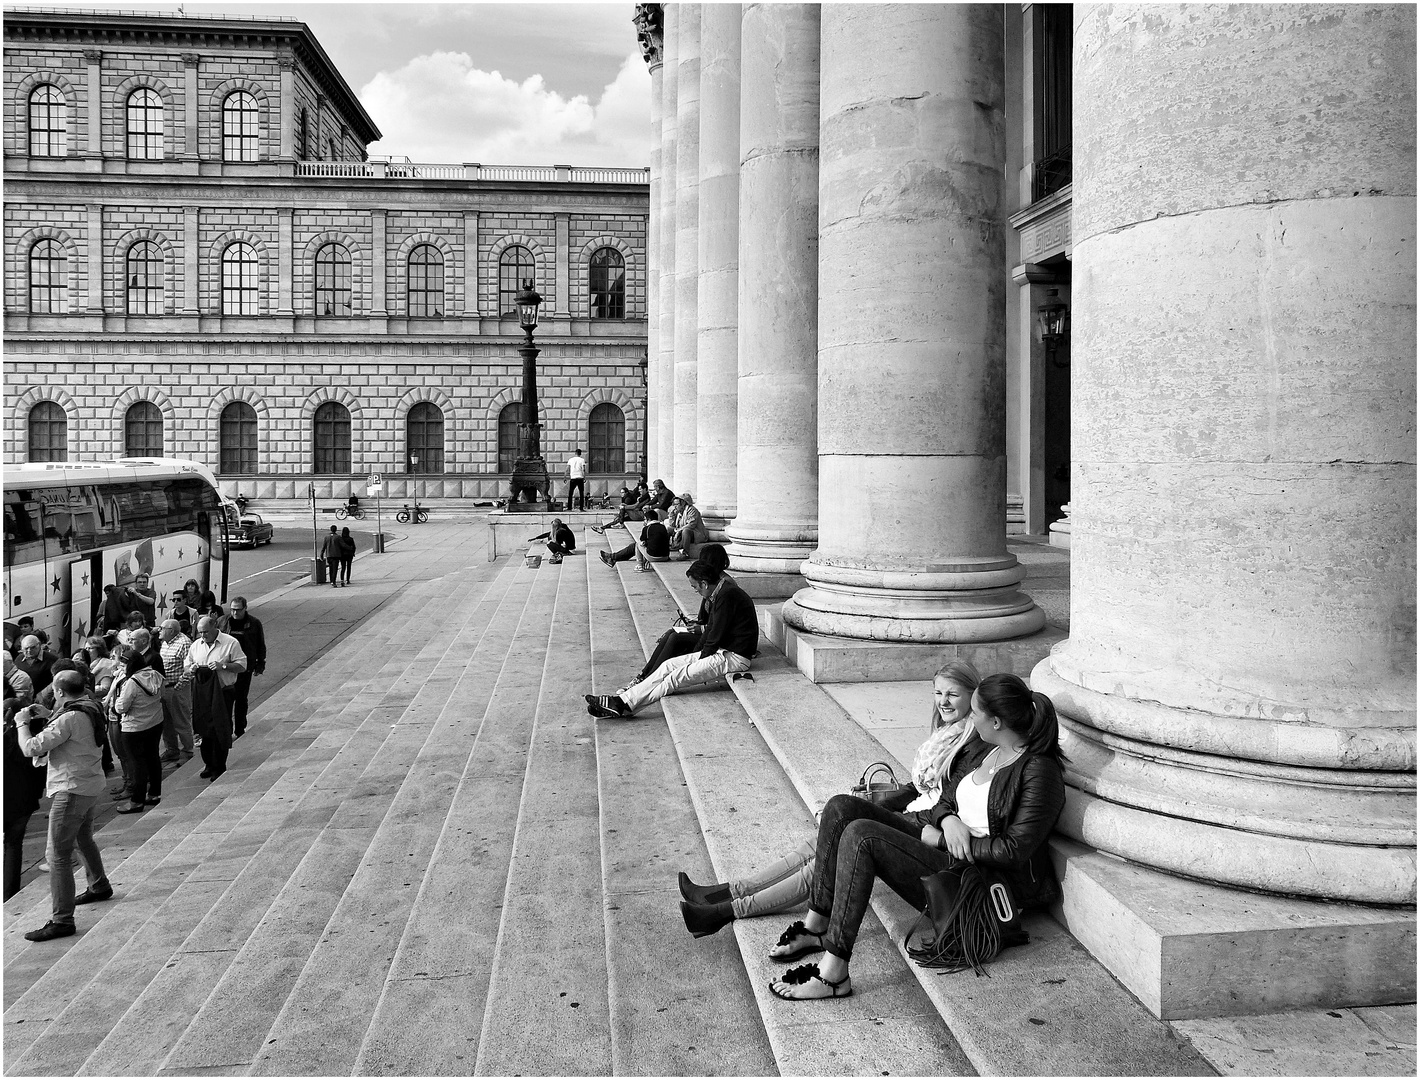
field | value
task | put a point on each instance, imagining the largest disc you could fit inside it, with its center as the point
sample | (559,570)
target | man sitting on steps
(655,543)
(730,640)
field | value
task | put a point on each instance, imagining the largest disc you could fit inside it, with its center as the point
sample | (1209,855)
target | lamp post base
(531,487)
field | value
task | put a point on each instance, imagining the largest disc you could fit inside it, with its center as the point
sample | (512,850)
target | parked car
(252,531)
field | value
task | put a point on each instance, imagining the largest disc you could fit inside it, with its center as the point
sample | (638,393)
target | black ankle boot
(703,920)
(703,894)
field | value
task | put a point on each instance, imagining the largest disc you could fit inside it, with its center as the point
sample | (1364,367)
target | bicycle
(345,510)
(420,515)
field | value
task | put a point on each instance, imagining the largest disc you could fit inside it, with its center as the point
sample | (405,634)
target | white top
(577,467)
(971,805)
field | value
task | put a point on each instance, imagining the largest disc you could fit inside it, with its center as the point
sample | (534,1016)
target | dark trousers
(214,746)
(143,750)
(671,644)
(858,842)
(124,755)
(345,569)
(14,853)
(578,485)
(239,693)
(332,570)
(558,549)
(622,554)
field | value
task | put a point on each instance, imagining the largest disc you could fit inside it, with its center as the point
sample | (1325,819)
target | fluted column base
(1334,819)
(970,600)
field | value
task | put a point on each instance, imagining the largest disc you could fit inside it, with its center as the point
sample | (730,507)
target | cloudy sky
(500,84)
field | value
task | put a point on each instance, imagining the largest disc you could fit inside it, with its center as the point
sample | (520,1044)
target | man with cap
(689,526)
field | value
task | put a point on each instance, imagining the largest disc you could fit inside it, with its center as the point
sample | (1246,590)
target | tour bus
(74,527)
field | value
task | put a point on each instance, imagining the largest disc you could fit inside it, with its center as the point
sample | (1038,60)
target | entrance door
(85,587)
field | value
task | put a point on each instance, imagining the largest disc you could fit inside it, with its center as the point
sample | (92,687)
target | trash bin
(318,571)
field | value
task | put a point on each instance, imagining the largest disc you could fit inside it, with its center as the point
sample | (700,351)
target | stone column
(285,262)
(1238,688)
(287,65)
(93,103)
(648,32)
(379,285)
(563,270)
(717,304)
(192,262)
(468,305)
(191,145)
(94,244)
(776,524)
(665,288)
(687,244)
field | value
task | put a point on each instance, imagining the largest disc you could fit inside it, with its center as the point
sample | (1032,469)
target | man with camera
(71,737)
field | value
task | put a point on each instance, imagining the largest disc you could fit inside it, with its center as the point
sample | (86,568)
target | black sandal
(797,929)
(812,982)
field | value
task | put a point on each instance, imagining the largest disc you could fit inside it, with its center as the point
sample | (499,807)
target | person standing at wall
(577,479)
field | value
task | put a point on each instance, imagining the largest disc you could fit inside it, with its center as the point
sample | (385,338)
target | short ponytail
(1029,714)
(1044,736)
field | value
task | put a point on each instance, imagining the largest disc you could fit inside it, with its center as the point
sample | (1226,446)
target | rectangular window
(1052,40)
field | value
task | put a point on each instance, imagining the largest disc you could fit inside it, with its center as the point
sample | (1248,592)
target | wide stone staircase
(427,859)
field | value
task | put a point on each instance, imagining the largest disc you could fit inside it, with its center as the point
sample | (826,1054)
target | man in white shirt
(211,666)
(577,479)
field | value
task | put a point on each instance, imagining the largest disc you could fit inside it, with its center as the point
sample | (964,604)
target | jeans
(14,853)
(240,691)
(622,554)
(121,751)
(858,842)
(579,485)
(345,569)
(177,720)
(682,671)
(332,570)
(71,825)
(147,779)
(781,885)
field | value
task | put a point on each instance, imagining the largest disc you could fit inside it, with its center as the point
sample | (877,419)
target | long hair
(714,555)
(961,672)
(1024,712)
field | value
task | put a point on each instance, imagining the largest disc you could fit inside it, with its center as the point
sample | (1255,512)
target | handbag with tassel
(972,914)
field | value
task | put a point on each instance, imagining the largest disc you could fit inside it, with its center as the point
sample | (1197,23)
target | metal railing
(404,169)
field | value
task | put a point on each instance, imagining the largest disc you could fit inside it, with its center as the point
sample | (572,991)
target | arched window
(144,275)
(143,430)
(145,124)
(236,437)
(426,282)
(606,280)
(333,281)
(332,439)
(241,127)
(515,264)
(49,279)
(508,420)
(49,433)
(424,435)
(241,281)
(49,122)
(607,439)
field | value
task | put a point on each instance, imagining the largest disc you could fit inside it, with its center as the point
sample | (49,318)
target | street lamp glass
(527,301)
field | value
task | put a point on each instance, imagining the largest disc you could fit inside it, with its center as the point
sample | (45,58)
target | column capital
(191,59)
(286,63)
(650,33)
(93,56)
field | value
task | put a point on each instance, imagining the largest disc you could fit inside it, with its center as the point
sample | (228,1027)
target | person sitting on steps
(689,527)
(655,543)
(560,540)
(1002,797)
(641,500)
(784,883)
(729,642)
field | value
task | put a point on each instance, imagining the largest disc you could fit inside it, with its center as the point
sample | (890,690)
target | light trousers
(682,671)
(783,884)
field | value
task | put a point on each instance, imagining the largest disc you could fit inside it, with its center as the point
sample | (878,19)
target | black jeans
(558,549)
(858,842)
(239,701)
(345,568)
(147,766)
(579,485)
(672,643)
(14,853)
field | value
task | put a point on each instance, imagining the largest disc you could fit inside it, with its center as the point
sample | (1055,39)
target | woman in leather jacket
(1004,792)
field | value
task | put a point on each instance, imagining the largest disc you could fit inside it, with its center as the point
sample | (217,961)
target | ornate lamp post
(530,471)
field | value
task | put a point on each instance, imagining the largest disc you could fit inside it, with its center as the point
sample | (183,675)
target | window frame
(237,432)
(51,290)
(150,131)
(333,278)
(149,286)
(56,447)
(601,444)
(606,298)
(246,291)
(423,287)
(241,141)
(141,421)
(521,270)
(510,419)
(330,440)
(50,138)
(428,444)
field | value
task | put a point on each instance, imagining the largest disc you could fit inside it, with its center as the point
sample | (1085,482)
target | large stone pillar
(1239,682)
(665,396)
(911,382)
(717,307)
(687,243)
(648,26)
(776,524)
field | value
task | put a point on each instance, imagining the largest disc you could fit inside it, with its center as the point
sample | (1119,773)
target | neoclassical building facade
(926,275)
(201,261)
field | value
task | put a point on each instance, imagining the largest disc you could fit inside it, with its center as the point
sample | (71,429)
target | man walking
(577,479)
(246,628)
(212,666)
(177,693)
(74,784)
(331,552)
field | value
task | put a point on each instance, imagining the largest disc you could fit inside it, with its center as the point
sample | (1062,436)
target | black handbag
(972,914)
(878,780)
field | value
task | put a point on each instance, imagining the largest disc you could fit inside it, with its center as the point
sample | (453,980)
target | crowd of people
(132,698)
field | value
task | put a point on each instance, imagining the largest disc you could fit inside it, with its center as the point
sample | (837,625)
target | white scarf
(934,761)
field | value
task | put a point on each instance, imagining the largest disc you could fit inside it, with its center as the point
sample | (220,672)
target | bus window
(23,540)
(71,523)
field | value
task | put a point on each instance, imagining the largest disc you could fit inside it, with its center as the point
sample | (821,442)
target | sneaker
(51,930)
(643,569)
(598,528)
(606,558)
(555,559)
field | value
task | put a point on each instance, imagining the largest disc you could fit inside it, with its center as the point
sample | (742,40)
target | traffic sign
(375,479)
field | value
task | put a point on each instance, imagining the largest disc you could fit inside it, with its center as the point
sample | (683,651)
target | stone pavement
(426,858)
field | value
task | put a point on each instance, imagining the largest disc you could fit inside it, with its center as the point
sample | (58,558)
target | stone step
(1047,1007)
(200,860)
(749,814)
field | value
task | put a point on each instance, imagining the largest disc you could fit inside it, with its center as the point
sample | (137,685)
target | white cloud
(439,107)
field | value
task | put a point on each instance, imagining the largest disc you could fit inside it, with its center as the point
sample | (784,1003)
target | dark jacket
(656,540)
(564,537)
(730,623)
(1024,803)
(330,550)
(347,549)
(662,501)
(250,637)
(38,670)
(24,783)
